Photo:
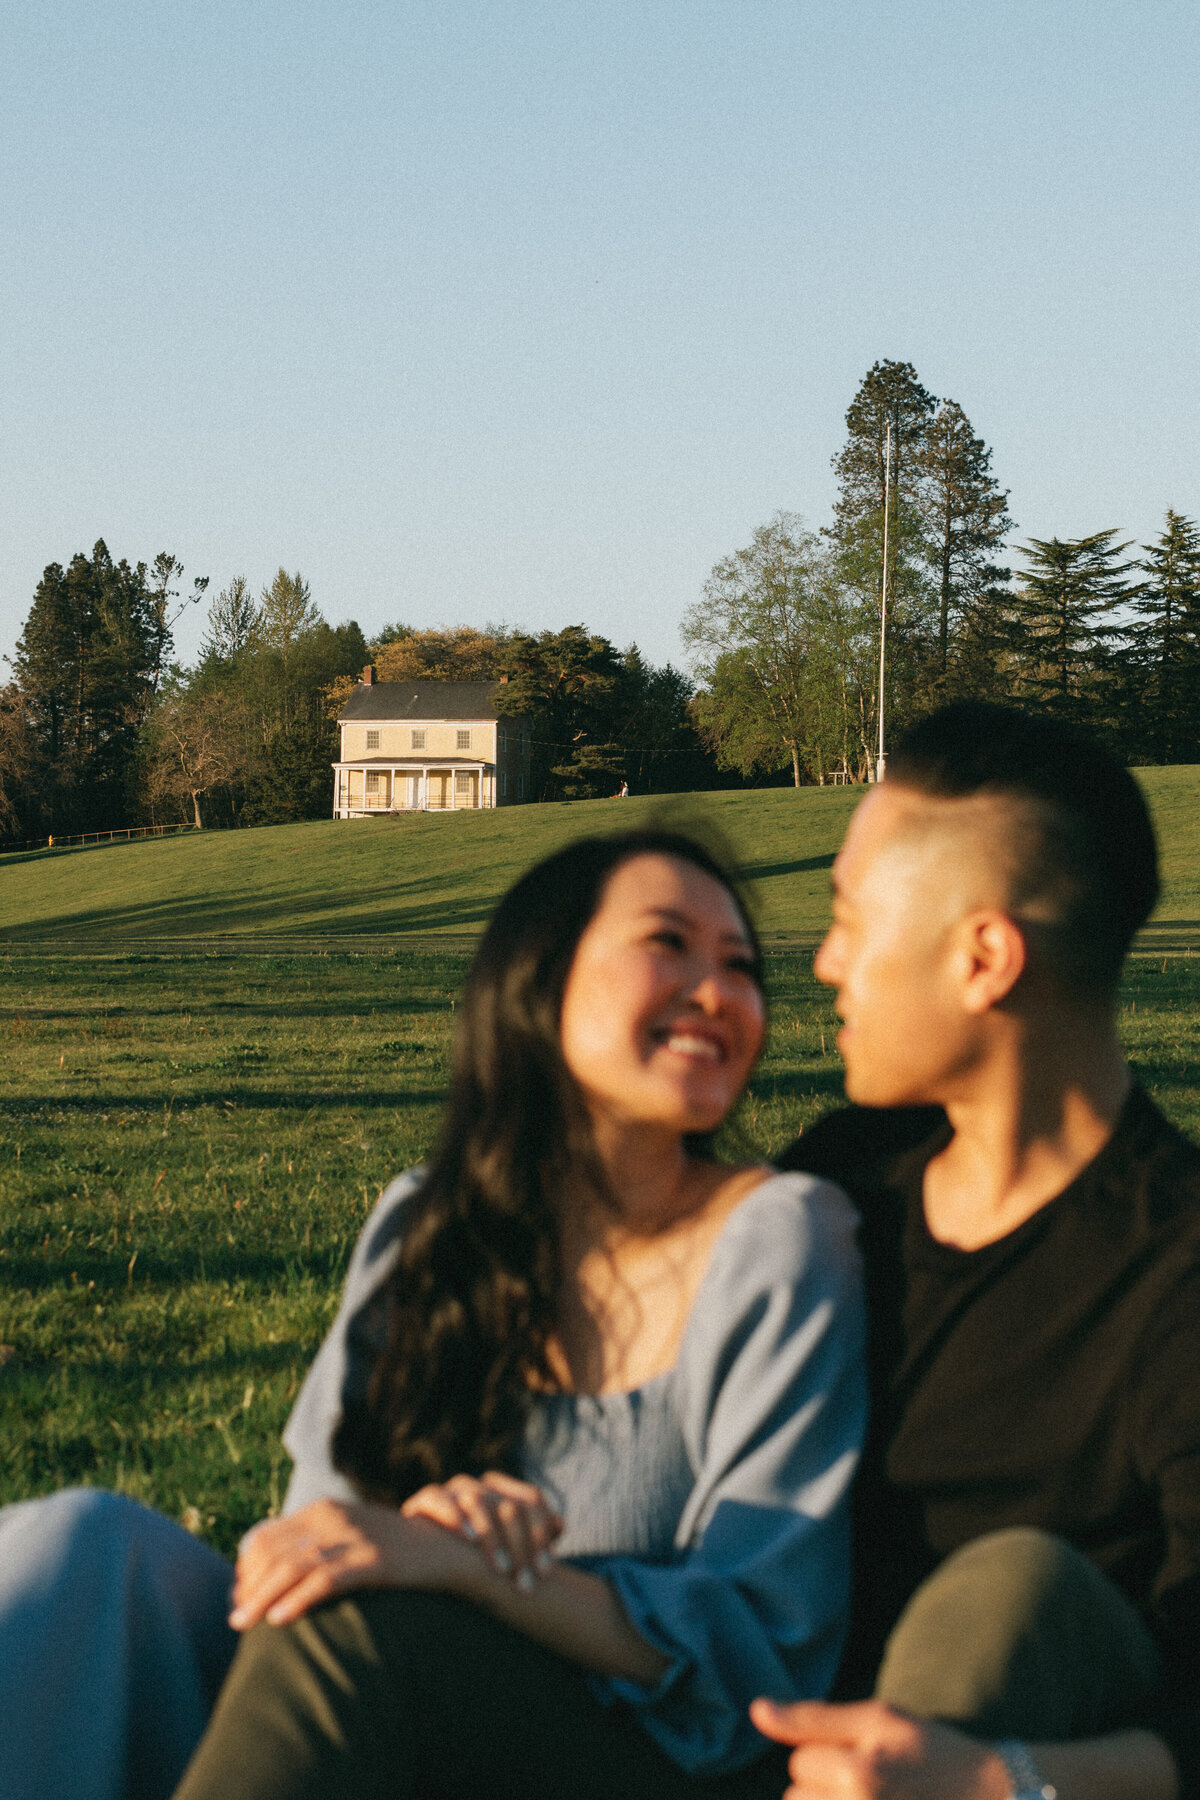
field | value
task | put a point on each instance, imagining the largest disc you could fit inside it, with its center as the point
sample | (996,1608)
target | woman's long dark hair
(473,1301)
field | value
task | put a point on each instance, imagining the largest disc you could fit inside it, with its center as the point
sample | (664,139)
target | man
(1029,1511)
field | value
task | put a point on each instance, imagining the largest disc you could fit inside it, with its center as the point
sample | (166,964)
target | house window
(464,740)
(520,787)
(502,737)
(462,781)
(372,740)
(504,784)
(373,778)
(418,740)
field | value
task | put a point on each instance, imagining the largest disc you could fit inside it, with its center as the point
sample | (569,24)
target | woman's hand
(510,1521)
(287,1565)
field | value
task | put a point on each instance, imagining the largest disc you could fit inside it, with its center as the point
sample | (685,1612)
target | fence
(96,837)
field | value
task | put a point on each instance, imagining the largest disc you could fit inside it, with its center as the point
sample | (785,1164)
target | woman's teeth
(684,1044)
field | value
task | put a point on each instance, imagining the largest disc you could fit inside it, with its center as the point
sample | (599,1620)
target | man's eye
(743,965)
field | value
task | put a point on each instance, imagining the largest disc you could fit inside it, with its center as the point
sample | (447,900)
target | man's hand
(869,1751)
(287,1565)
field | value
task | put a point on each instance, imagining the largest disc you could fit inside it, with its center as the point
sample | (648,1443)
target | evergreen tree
(232,620)
(566,684)
(891,394)
(286,612)
(86,664)
(1162,646)
(1058,631)
(967,522)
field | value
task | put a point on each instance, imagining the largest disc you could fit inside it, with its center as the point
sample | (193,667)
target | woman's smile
(662,1014)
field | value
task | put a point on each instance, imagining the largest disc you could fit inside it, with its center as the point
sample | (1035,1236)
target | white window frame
(463,737)
(418,739)
(373,779)
(373,740)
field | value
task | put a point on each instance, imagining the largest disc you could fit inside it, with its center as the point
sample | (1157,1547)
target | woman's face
(662,1018)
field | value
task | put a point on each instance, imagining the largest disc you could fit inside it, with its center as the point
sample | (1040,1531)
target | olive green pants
(406,1696)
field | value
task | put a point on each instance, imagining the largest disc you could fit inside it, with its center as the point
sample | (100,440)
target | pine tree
(232,618)
(86,663)
(891,394)
(967,523)
(1163,645)
(1058,634)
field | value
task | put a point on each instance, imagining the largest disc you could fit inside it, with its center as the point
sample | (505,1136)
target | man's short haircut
(1086,865)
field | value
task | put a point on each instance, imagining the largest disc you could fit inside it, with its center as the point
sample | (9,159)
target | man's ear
(994,956)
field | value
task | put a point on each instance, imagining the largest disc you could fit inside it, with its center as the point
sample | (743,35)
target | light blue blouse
(713,1498)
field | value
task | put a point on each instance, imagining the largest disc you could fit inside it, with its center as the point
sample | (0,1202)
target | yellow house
(428,746)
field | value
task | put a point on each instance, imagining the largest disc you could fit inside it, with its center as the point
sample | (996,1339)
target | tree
(232,622)
(566,682)
(890,395)
(783,650)
(86,663)
(286,612)
(200,739)
(18,764)
(165,569)
(967,522)
(1057,631)
(1162,644)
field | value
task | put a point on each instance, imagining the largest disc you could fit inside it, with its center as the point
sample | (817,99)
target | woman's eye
(743,965)
(673,940)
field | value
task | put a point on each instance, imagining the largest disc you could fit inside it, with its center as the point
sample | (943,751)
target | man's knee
(1018,1631)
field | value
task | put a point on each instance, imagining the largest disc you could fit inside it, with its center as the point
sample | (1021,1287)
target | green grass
(191,1133)
(429,875)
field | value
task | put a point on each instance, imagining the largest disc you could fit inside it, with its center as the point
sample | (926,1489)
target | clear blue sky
(496,309)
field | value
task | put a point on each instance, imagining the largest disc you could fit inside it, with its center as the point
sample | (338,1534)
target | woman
(659,1350)
(572,1465)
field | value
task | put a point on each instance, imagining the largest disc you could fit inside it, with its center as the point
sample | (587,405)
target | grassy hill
(431,875)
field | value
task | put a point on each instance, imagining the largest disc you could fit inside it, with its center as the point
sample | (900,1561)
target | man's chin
(877,1088)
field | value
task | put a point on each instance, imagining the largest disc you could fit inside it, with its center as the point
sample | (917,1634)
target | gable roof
(422,700)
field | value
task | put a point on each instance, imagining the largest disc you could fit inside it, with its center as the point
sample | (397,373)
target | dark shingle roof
(422,700)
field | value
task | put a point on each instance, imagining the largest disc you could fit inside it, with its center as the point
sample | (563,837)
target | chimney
(369,675)
(503,679)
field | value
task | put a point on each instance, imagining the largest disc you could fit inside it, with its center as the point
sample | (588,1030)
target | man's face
(911,870)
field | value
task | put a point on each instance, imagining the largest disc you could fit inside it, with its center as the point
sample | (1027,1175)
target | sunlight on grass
(189,1145)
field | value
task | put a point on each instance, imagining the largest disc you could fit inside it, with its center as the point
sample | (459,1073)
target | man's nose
(827,963)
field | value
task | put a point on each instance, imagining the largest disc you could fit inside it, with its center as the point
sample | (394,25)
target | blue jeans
(113,1644)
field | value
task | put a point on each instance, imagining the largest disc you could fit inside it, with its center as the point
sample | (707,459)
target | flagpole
(881,758)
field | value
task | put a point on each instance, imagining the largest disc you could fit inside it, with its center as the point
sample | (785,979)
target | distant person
(623,791)
(1028,1521)
(572,1467)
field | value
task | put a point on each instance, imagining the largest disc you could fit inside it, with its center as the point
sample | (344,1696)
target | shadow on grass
(344,1099)
(375,911)
(214,1264)
(154,1373)
(803,866)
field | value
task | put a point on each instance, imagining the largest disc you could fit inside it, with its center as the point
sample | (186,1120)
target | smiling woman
(572,1467)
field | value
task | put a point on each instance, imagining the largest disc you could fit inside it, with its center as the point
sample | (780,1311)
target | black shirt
(1049,1379)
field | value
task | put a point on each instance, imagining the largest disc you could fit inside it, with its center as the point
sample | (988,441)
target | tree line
(785,639)
(99,728)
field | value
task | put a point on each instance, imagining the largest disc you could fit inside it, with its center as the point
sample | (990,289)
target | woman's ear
(994,956)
